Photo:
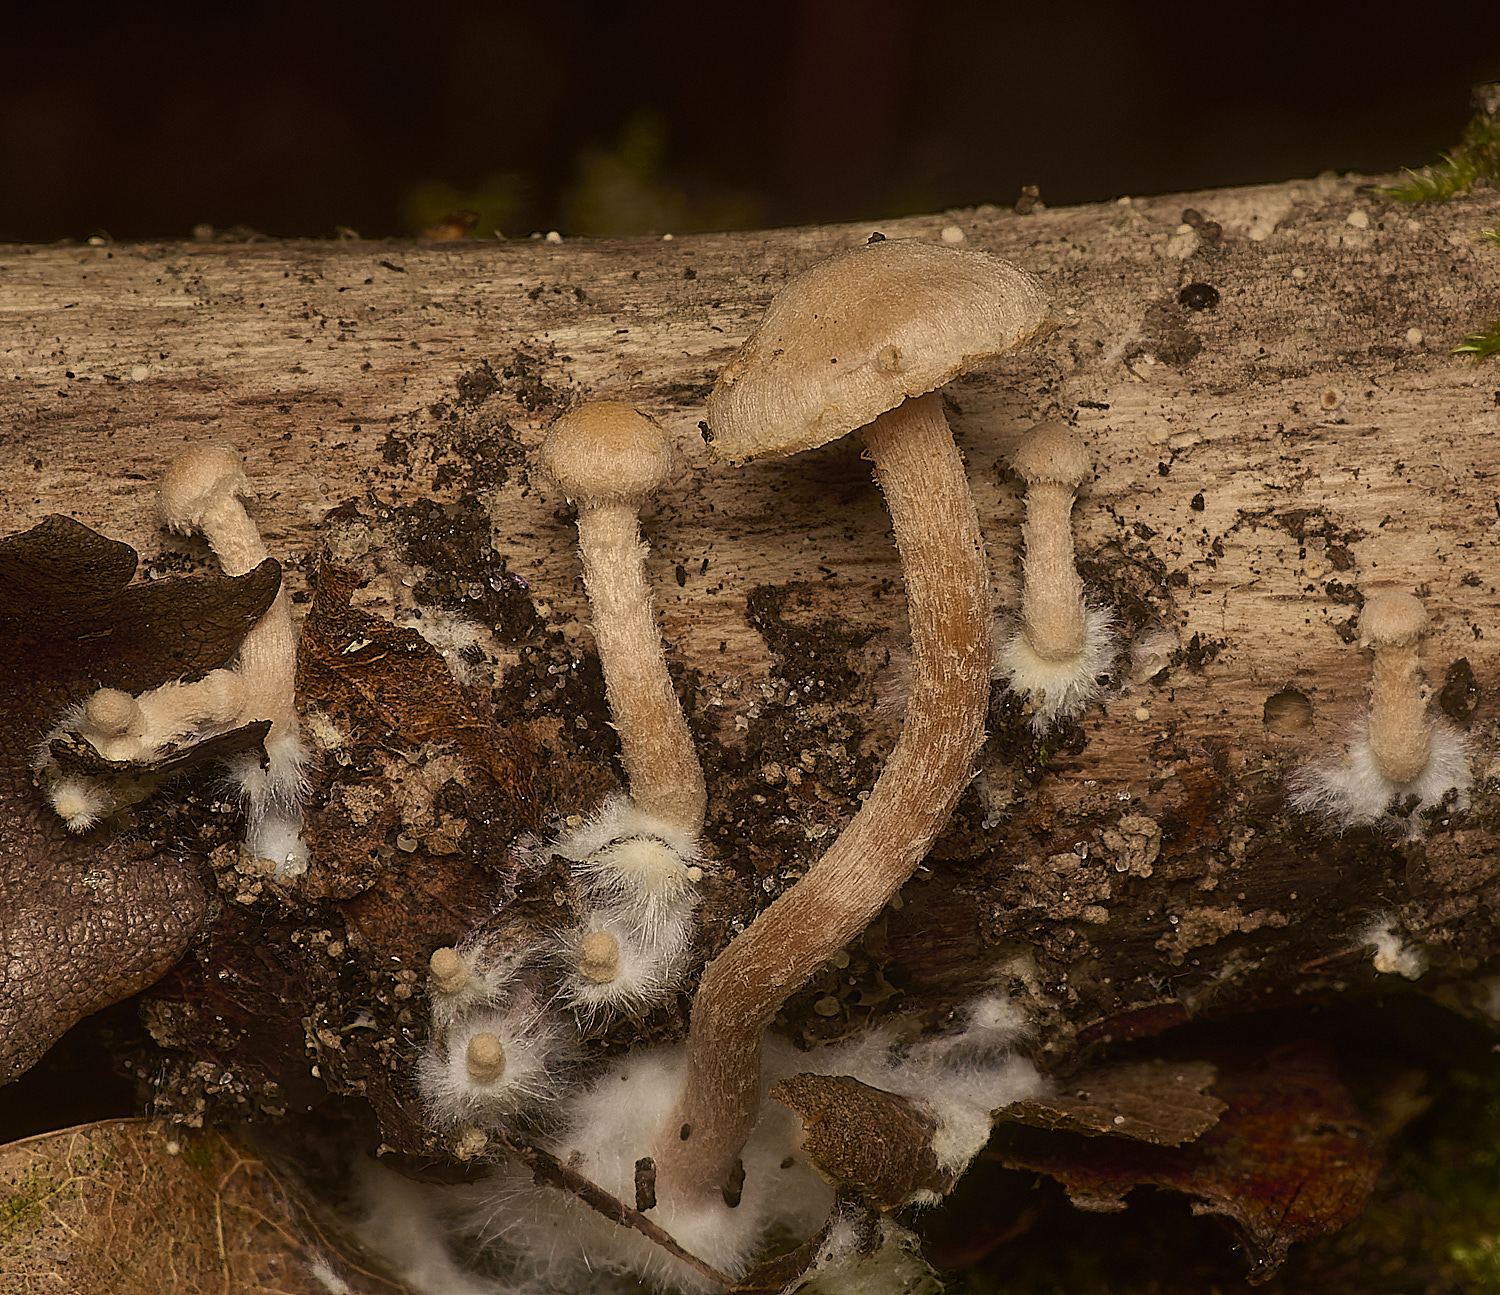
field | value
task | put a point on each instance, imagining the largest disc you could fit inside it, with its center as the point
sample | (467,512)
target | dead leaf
(1150,1101)
(86,920)
(866,1138)
(1290,1158)
(119,1208)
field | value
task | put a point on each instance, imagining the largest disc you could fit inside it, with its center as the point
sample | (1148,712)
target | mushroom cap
(1053,452)
(605,451)
(450,973)
(1392,619)
(599,957)
(484,1058)
(859,333)
(197,479)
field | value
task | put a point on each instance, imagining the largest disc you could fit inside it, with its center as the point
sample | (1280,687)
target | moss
(1482,343)
(1476,156)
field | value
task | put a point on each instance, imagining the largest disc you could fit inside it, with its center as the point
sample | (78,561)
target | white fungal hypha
(1401,762)
(1063,642)
(544,1239)
(495,1064)
(1393,956)
(640,868)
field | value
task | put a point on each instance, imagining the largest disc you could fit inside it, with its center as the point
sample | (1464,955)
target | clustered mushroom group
(861,342)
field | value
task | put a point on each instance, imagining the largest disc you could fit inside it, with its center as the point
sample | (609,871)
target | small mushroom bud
(484,1058)
(498,1063)
(616,964)
(1393,624)
(599,957)
(1401,760)
(450,973)
(1064,643)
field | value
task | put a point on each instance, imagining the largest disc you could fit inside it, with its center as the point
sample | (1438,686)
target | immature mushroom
(860,340)
(1063,643)
(1393,624)
(1399,753)
(200,492)
(609,459)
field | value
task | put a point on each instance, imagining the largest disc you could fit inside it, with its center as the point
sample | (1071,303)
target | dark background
(664,115)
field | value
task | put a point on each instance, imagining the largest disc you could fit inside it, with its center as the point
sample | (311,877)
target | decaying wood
(1260,461)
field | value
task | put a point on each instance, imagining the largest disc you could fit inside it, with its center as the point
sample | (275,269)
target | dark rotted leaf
(391,692)
(869,1139)
(1158,1101)
(88,920)
(1290,1158)
(73,754)
(65,591)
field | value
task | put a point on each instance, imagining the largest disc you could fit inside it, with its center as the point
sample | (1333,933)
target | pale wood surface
(316,359)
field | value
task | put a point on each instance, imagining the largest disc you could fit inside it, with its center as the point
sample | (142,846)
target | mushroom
(1399,753)
(495,1065)
(609,459)
(860,340)
(200,492)
(1063,643)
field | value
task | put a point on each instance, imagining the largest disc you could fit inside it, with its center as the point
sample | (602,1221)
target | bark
(1261,461)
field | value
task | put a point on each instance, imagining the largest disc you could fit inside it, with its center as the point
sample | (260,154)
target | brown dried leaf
(86,920)
(864,1137)
(1150,1101)
(1290,1158)
(387,688)
(113,1209)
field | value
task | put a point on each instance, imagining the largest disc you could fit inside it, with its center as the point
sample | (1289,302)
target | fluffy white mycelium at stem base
(1393,955)
(1058,689)
(495,1065)
(1354,792)
(1401,761)
(535,1238)
(635,864)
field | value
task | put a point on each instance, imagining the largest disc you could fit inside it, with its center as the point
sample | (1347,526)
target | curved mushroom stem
(948,605)
(1052,596)
(661,762)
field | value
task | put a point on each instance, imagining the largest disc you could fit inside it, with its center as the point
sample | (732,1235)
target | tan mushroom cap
(859,333)
(606,451)
(1392,619)
(195,481)
(1053,452)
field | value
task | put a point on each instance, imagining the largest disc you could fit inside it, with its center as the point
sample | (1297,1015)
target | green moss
(1481,344)
(1493,235)
(1477,155)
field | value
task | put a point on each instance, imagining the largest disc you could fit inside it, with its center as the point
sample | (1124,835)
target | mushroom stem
(1400,739)
(200,492)
(660,760)
(1052,596)
(948,606)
